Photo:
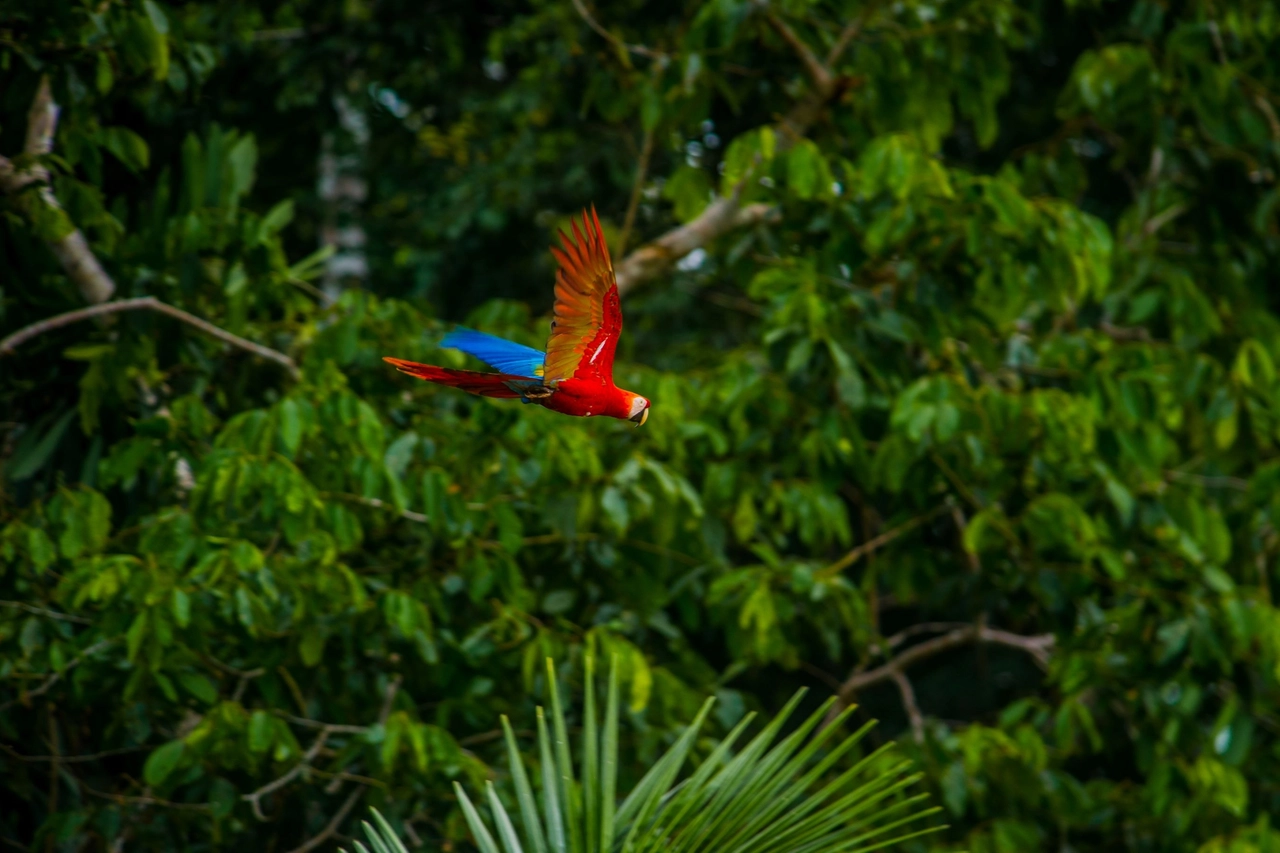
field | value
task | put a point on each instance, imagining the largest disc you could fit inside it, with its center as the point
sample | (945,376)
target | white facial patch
(638,405)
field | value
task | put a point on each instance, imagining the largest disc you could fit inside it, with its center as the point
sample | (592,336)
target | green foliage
(758,799)
(994,385)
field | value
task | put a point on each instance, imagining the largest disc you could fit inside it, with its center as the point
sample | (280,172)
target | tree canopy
(959,320)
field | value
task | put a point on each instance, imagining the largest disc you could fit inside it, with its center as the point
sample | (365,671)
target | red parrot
(575,375)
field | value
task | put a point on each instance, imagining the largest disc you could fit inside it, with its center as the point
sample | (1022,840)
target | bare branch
(303,765)
(377,503)
(638,49)
(57,676)
(124,799)
(1124,334)
(42,120)
(146,303)
(817,71)
(71,250)
(41,611)
(637,188)
(1038,646)
(909,703)
(846,37)
(1265,106)
(652,259)
(1238,484)
(725,214)
(388,697)
(332,826)
(71,759)
(872,545)
(335,728)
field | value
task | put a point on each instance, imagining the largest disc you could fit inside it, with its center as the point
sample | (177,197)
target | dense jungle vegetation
(961,324)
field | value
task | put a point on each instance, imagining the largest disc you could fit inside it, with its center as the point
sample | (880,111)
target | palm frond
(775,793)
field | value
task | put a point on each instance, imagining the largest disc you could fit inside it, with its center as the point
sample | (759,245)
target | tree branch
(726,214)
(125,799)
(71,249)
(846,37)
(872,545)
(57,676)
(333,825)
(304,764)
(146,303)
(255,798)
(1038,646)
(637,188)
(41,611)
(653,259)
(71,759)
(818,73)
(909,703)
(639,49)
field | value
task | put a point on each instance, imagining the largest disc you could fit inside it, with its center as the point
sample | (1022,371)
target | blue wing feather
(502,355)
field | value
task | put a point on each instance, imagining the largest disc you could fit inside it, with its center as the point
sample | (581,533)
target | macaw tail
(471,381)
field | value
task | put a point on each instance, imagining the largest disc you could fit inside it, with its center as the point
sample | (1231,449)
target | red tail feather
(471,381)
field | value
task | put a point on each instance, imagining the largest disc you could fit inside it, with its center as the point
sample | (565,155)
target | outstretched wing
(501,385)
(588,315)
(499,353)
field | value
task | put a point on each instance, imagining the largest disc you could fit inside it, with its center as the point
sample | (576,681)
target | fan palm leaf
(775,793)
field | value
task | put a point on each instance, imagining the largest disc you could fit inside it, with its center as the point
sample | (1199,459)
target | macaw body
(575,374)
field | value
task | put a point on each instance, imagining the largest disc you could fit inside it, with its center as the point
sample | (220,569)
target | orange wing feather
(588,314)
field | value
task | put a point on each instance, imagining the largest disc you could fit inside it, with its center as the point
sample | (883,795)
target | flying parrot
(575,375)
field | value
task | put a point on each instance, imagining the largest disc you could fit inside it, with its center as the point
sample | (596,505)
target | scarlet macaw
(575,375)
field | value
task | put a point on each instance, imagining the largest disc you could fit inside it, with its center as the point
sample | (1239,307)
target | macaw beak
(639,419)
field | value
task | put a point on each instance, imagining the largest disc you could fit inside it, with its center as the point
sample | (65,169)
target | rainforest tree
(959,322)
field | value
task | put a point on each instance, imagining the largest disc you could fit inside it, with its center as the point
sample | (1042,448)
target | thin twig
(389,696)
(1124,334)
(146,303)
(41,611)
(335,728)
(124,799)
(57,676)
(909,703)
(637,189)
(817,71)
(875,544)
(638,49)
(1210,482)
(1038,646)
(377,503)
(333,825)
(846,37)
(304,764)
(71,759)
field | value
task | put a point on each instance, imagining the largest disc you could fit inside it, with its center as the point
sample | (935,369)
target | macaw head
(639,410)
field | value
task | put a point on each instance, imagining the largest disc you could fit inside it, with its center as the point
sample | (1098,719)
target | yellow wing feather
(587,317)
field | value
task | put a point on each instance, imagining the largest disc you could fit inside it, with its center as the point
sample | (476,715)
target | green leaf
(807,172)
(128,147)
(162,762)
(28,461)
(261,731)
(311,646)
(276,219)
(199,686)
(689,189)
